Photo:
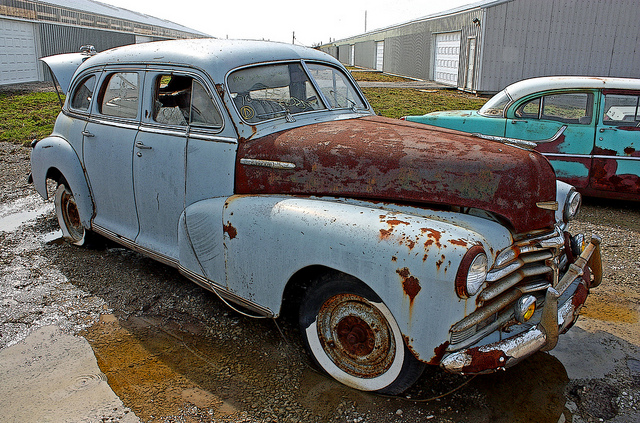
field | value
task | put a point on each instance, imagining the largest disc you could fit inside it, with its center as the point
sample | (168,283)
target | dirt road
(170,351)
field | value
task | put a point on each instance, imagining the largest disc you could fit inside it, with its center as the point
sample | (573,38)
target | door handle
(87,134)
(514,121)
(141,146)
(607,129)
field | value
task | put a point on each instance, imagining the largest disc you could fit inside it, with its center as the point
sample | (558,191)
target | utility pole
(293,40)
(365,21)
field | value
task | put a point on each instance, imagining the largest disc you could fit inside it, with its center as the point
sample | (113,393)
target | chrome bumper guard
(544,335)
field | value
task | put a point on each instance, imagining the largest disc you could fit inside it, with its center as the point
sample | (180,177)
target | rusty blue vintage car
(260,171)
(588,128)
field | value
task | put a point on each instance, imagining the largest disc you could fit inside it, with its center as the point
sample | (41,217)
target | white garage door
(447,58)
(18,62)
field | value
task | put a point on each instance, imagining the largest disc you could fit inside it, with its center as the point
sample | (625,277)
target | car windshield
(496,105)
(270,91)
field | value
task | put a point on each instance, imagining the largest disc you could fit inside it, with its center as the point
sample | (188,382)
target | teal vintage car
(588,128)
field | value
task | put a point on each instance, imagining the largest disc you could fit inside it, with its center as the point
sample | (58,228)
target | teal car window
(496,105)
(621,110)
(530,109)
(81,97)
(120,95)
(568,108)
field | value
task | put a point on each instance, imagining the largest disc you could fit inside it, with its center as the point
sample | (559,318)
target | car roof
(530,86)
(216,56)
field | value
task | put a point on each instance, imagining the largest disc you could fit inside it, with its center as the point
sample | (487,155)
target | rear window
(81,97)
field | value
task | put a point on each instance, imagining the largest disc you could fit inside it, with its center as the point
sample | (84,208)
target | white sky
(277,20)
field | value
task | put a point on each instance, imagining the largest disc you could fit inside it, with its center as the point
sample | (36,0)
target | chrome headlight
(472,272)
(572,205)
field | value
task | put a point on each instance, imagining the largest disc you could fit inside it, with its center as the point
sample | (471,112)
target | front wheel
(68,216)
(352,335)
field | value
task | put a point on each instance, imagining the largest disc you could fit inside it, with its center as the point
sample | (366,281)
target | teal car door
(543,116)
(616,160)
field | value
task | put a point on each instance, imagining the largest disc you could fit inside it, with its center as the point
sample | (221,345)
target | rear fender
(55,156)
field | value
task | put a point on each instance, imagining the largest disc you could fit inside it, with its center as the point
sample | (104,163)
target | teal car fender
(53,157)
(463,120)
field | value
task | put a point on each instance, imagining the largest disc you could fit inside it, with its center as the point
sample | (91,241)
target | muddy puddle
(161,370)
(24,210)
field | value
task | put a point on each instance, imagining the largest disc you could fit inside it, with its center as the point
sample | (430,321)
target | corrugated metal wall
(525,39)
(56,39)
(408,49)
(515,39)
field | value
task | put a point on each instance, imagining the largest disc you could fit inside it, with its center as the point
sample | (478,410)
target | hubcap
(356,336)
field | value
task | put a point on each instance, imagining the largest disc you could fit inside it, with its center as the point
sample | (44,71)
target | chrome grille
(533,266)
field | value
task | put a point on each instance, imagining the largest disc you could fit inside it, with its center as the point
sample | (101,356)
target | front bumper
(561,308)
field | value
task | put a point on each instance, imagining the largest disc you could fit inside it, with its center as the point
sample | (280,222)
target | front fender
(55,155)
(409,260)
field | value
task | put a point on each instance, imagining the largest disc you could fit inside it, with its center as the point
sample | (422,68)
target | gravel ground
(173,352)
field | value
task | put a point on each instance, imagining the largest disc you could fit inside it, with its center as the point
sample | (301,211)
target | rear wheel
(68,216)
(352,335)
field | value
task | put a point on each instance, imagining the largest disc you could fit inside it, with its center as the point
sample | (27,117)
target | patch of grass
(25,117)
(377,77)
(398,102)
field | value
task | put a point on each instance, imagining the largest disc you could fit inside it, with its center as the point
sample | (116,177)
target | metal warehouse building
(487,45)
(32,29)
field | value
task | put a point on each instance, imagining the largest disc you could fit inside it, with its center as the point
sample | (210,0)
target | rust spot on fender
(230,230)
(394,259)
(460,242)
(410,284)
(439,262)
(407,342)
(438,353)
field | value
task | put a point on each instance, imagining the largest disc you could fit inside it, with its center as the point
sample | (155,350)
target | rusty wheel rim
(71,216)
(356,336)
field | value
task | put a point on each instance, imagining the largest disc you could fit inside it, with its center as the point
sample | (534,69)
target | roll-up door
(447,58)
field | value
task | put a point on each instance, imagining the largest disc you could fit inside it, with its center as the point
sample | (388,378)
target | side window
(120,97)
(621,110)
(530,109)
(335,86)
(203,111)
(568,108)
(171,100)
(81,97)
(180,100)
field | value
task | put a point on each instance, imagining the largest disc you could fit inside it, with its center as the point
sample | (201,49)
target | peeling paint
(410,284)
(230,230)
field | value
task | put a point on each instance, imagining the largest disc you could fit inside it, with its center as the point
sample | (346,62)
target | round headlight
(572,206)
(472,272)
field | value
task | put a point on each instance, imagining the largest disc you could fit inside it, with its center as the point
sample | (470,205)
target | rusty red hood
(391,160)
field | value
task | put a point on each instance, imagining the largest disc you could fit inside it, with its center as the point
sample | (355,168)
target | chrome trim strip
(268,163)
(617,157)
(126,242)
(224,292)
(522,143)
